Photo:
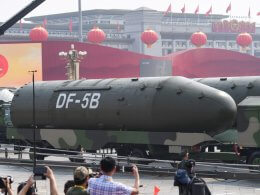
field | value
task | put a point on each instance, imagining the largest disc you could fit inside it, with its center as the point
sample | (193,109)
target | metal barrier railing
(156,166)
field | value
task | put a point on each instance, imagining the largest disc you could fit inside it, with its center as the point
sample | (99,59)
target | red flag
(197,10)
(169,9)
(20,25)
(228,8)
(70,25)
(44,23)
(258,13)
(209,11)
(249,13)
(183,9)
(156,190)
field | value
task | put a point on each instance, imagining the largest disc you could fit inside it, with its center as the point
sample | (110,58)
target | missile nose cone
(194,108)
(226,110)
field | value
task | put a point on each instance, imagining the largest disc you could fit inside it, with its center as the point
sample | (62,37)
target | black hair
(107,164)
(68,185)
(30,191)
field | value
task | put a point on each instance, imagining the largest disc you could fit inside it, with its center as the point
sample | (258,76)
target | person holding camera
(81,176)
(187,164)
(53,184)
(28,188)
(105,184)
(5,186)
(186,179)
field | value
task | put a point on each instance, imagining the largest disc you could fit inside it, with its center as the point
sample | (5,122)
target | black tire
(78,160)
(38,156)
(77,157)
(253,158)
(138,153)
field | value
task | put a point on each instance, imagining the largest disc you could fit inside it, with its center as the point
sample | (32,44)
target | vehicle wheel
(139,154)
(78,160)
(254,159)
(38,157)
(123,152)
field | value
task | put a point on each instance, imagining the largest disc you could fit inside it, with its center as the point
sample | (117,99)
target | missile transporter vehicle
(145,117)
(166,145)
(246,93)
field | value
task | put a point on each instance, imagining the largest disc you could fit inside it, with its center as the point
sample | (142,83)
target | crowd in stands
(84,182)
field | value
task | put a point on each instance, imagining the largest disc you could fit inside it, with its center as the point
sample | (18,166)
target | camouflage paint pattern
(94,140)
(248,123)
(239,88)
(248,134)
(230,136)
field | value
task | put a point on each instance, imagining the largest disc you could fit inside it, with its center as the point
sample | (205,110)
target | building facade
(123,29)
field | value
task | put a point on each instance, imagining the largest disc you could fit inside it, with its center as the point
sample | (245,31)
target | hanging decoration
(38,34)
(96,35)
(198,39)
(149,37)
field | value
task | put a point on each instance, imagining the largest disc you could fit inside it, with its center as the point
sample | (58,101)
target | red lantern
(39,34)
(198,39)
(3,66)
(244,39)
(96,35)
(149,37)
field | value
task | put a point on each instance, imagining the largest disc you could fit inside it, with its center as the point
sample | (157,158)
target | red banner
(233,26)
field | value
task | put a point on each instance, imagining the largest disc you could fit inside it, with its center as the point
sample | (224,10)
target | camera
(3,181)
(95,175)
(190,163)
(39,173)
(127,168)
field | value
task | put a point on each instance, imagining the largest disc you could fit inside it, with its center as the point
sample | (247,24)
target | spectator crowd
(84,182)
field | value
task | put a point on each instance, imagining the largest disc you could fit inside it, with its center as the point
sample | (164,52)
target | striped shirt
(106,186)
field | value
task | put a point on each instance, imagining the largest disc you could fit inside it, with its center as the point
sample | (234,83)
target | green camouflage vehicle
(162,145)
(248,127)
(126,143)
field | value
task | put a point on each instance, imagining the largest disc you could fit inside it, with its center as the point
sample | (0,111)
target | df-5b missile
(168,104)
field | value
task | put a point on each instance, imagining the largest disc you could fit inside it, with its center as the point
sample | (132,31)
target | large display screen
(16,60)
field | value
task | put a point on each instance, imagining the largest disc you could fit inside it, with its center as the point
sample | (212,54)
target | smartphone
(39,172)
(128,169)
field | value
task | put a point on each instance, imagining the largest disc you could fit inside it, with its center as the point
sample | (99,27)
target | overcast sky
(239,7)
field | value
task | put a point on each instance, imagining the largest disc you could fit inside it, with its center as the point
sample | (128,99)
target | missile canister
(237,87)
(167,104)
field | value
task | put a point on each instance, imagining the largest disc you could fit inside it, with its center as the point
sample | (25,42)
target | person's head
(68,185)
(5,183)
(108,165)
(185,155)
(31,191)
(81,175)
